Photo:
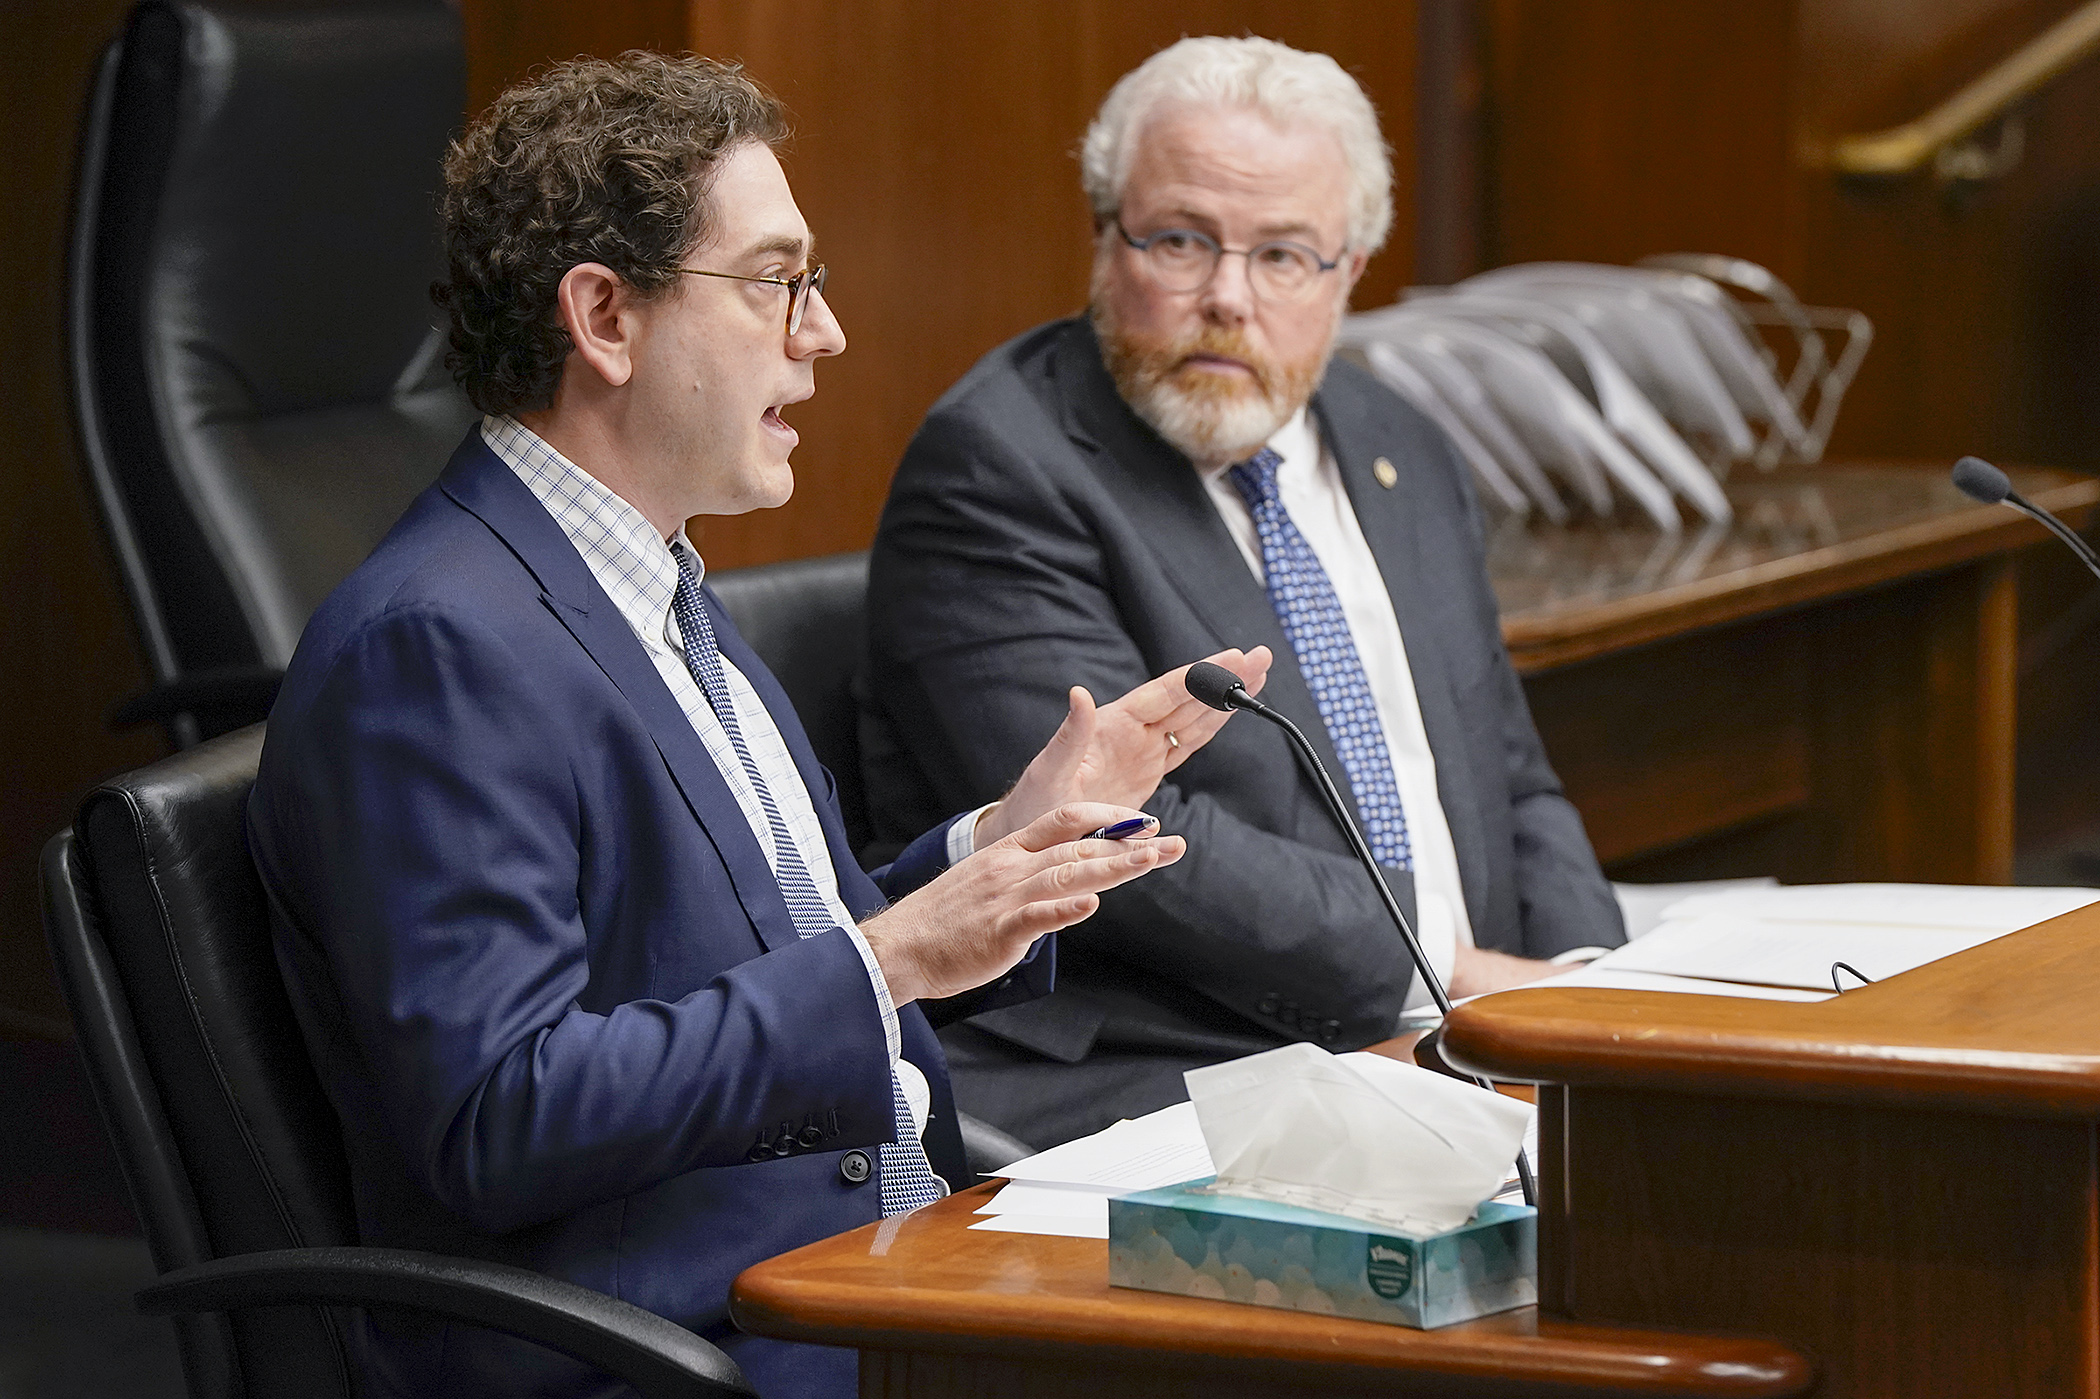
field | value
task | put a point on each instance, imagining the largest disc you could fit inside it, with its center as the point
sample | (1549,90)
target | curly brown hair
(593,160)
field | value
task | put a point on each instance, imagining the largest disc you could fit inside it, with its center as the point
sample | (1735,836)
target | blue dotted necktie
(1312,618)
(908,1179)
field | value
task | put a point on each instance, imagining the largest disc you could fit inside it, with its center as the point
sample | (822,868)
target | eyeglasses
(799,287)
(1181,259)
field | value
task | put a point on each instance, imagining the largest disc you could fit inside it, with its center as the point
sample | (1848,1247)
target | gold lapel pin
(1383,470)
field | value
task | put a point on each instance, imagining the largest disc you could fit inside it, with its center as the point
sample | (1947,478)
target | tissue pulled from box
(1357,1135)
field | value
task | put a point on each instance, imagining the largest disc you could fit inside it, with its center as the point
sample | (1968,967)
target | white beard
(1203,428)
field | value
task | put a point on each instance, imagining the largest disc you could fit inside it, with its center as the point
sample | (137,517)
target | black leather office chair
(231,1150)
(257,388)
(806,620)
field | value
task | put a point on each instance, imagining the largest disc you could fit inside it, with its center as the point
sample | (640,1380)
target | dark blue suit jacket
(542,963)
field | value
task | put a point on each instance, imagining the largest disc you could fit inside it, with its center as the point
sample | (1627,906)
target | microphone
(1979,480)
(1211,684)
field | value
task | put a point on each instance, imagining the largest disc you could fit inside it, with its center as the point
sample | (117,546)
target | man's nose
(1228,297)
(820,333)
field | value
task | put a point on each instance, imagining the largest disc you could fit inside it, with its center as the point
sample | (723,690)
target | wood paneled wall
(935,161)
(66,650)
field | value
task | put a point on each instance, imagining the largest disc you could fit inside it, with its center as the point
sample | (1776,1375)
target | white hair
(1284,85)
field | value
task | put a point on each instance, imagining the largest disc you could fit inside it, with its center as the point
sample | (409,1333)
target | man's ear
(1358,261)
(597,308)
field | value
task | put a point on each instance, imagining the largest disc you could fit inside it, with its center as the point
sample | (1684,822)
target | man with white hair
(1185,468)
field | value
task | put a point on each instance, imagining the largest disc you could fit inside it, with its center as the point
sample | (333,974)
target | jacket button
(1289,1014)
(1330,1032)
(855,1168)
(812,1134)
(1268,1004)
(762,1150)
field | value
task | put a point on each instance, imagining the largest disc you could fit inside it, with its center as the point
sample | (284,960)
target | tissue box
(1191,1242)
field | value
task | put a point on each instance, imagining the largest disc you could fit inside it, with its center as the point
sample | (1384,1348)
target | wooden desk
(1901,1181)
(941,1312)
(1902,1185)
(1822,691)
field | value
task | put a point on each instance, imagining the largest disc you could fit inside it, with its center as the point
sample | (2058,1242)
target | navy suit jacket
(541,961)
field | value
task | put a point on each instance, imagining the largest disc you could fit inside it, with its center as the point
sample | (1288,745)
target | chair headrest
(296,233)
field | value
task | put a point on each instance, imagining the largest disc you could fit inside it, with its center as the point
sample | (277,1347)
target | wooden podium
(1901,1182)
(1898,1190)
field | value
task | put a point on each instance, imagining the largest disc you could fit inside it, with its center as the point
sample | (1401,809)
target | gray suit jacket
(1039,535)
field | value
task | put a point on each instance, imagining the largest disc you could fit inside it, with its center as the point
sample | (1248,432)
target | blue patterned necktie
(1313,621)
(908,1179)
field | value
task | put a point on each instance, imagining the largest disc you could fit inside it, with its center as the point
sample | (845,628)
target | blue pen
(1136,828)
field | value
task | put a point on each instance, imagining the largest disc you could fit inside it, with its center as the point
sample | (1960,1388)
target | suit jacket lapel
(479,481)
(1392,519)
(1160,486)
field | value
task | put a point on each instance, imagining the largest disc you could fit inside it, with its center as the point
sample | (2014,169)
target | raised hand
(976,921)
(1119,752)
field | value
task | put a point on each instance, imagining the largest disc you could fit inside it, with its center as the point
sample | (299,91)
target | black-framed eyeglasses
(799,287)
(1182,259)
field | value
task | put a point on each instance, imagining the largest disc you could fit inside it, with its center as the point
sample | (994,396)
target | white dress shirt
(1309,484)
(639,573)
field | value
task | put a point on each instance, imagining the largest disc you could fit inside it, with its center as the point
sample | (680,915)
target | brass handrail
(1909,147)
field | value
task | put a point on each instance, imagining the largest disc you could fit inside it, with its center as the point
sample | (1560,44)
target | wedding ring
(1172,742)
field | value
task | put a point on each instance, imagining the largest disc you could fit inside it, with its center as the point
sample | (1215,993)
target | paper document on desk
(1791,936)
(1065,1190)
(1611,978)
(1982,907)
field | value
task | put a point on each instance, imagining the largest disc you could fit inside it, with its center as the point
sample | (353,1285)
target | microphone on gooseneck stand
(1979,480)
(1219,688)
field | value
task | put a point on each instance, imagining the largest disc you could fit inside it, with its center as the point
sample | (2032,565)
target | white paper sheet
(1068,1201)
(1064,1191)
(1644,906)
(1790,936)
(1982,907)
(1055,1225)
(1787,954)
(1145,1153)
(1611,978)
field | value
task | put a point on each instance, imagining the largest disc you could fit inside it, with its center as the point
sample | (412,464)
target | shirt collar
(623,551)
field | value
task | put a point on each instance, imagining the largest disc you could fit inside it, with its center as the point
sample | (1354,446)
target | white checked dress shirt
(639,573)
(1309,484)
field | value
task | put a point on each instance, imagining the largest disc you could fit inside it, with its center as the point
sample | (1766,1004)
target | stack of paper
(1065,1190)
(1783,941)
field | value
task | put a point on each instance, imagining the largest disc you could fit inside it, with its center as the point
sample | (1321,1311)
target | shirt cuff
(892,1037)
(1576,956)
(918,1095)
(962,836)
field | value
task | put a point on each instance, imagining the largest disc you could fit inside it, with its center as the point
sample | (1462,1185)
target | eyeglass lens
(1184,260)
(799,288)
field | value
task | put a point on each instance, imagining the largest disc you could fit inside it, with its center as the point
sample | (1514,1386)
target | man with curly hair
(560,892)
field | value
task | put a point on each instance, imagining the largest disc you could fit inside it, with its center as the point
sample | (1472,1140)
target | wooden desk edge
(1563,637)
(800,1297)
(1920,1039)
